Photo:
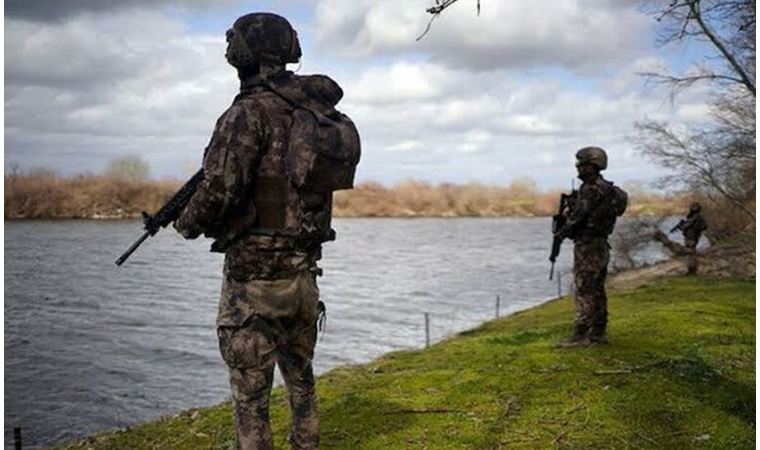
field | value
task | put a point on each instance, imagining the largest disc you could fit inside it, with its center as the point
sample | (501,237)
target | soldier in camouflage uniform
(692,228)
(589,224)
(270,231)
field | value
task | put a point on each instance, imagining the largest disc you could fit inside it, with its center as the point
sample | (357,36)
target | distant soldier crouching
(589,223)
(692,228)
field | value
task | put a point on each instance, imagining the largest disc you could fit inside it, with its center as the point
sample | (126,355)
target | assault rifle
(166,215)
(679,225)
(566,203)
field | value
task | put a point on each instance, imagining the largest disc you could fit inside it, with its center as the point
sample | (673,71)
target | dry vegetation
(44,195)
(521,198)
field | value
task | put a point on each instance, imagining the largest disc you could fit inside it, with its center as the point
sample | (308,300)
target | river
(90,346)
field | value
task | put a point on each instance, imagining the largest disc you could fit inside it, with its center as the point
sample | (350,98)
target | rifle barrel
(551,272)
(132,248)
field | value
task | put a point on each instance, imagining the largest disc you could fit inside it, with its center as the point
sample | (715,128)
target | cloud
(98,85)
(91,49)
(514,34)
(492,127)
(45,10)
(85,90)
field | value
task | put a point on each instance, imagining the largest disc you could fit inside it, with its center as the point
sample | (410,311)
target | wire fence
(563,289)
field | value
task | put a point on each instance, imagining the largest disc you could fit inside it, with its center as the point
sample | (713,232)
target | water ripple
(89,346)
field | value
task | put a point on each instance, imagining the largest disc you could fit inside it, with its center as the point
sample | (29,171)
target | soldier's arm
(690,222)
(589,196)
(227,163)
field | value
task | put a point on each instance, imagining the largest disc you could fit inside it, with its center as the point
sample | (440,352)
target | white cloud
(405,146)
(83,91)
(493,126)
(403,82)
(99,85)
(514,34)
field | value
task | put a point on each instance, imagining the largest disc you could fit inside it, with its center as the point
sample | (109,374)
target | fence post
(498,301)
(427,330)
(17,438)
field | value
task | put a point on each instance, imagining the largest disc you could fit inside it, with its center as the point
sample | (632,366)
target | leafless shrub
(128,168)
(631,238)
(715,160)
(44,194)
(728,26)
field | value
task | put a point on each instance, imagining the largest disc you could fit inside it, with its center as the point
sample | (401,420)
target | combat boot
(597,336)
(578,339)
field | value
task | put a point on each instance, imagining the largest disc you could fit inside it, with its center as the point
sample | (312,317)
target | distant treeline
(45,195)
(520,198)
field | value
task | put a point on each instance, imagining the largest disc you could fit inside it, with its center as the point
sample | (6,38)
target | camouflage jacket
(246,202)
(694,226)
(589,219)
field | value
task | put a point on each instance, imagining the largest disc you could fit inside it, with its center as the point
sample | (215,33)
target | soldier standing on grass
(597,206)
(266,200)
(692,228)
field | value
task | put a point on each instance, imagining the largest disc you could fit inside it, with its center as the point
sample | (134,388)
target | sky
(509,94)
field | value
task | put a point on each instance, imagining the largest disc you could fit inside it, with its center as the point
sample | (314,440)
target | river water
(89,346)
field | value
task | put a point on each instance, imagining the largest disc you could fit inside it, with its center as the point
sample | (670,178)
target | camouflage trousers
(283,334)
(590,269)
(691,256)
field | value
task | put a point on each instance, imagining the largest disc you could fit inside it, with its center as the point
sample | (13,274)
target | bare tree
(709,162)
(129,168)
(727,25)
(440,5)
(437,9)
(716,159)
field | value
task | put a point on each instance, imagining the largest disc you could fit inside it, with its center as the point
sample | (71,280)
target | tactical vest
(695,225)
(313,150)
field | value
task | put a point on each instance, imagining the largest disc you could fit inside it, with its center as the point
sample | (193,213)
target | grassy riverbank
(680,373)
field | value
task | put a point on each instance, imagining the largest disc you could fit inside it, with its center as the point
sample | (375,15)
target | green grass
(679,373)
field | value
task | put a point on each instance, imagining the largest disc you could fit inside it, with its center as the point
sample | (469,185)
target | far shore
(47,196)
(101,217)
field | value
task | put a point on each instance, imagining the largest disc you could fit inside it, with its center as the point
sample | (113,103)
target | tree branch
(695,12)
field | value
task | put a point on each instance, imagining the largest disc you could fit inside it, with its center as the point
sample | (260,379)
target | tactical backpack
(618,200)
(324,148)
(612,205)
(331,148)
(291,195)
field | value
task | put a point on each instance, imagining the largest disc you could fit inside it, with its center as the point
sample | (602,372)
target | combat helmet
(262,37)
(591,155)
(695,207)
